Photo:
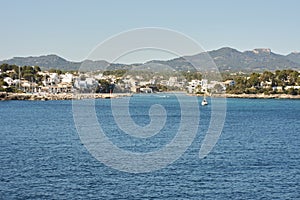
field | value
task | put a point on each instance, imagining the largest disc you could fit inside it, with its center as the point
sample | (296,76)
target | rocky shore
(61,96)
(258,96)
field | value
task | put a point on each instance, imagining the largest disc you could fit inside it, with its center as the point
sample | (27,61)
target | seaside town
(30,82)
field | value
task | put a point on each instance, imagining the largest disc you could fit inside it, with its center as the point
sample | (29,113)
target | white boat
(204,101)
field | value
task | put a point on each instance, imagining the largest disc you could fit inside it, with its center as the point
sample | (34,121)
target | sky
(72,29)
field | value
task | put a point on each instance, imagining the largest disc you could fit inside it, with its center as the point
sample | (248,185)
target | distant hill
(294,57)
(255,60)
(45,62)
(227,59)
(55,62)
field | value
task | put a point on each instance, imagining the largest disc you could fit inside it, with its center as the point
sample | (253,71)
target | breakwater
(61,96)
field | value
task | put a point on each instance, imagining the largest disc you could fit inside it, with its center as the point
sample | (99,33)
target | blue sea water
(256,157)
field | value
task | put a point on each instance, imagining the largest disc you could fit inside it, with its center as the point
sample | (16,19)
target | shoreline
(256,96)
(4,96)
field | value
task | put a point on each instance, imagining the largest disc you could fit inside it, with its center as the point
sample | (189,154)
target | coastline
(257,96)
(61,96)
(4,96)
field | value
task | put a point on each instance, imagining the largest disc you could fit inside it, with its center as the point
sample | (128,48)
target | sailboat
(205,87)
(204,101)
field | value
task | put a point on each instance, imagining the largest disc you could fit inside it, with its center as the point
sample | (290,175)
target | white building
(53,79)
(87,83)
(229,83)
(292,87)
(90,82)
(80,84)
(66,78)
(164,82)
(193,86)
(195,83)
(99,76)
(144,83)
(16,82)
(146,90)
(8,80)
(173,81)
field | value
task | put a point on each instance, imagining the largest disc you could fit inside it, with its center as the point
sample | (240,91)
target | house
(53,79)
(204,85)
(80,84)
(29,86)
(8,80)
(195,83)
(278,88)
(229,83)
(25,84)
(87,83)
(172,81)
(64,87)
(144,83)
(91,82)
(16,82)
(266,84)
(164,82)
(146,90)
(152,81)
(66,78)
(297,87)
(192,85)
(99,76)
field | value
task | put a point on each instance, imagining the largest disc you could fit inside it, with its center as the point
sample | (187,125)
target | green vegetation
(267,82)
(117,73)
(105,86)
(192,75)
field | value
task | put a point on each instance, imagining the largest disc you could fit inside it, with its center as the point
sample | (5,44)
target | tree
(293,76)
(254,80)
(292,91)
(239,87)
(218,88)
(28,77)
(4,67)
(59,72)
(37,68)
(105,86)
(192,75)
(267,76)
(282,77)
(3,83)
(298,81)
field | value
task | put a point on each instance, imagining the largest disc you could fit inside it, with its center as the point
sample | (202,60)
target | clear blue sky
(71,29)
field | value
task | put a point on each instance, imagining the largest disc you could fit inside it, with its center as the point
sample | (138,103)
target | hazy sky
(71,29)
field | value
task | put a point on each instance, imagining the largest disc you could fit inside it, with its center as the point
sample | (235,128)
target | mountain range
(226,59)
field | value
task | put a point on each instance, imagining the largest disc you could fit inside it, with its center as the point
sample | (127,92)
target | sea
(43,155)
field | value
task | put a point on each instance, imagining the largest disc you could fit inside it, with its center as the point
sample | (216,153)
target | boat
(204,101)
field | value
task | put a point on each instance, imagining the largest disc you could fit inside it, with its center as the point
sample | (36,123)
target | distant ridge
(226,58)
